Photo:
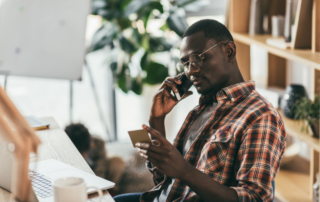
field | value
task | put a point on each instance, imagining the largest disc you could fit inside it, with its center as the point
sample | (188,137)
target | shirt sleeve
(259,156)
(157,176)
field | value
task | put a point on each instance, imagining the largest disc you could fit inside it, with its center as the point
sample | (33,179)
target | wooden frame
(15,130)
(316,26)
(302,37)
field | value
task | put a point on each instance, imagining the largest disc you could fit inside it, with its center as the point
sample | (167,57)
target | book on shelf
(279,43)
(36,123)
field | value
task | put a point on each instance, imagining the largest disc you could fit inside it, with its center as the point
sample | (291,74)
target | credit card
(139,136)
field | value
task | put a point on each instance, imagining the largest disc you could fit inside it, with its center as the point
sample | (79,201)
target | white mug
(71,189)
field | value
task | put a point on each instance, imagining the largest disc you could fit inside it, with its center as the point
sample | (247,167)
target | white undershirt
(191,135)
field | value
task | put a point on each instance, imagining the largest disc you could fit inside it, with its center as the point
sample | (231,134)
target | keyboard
(41,186)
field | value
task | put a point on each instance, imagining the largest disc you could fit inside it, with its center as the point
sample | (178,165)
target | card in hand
(139,136)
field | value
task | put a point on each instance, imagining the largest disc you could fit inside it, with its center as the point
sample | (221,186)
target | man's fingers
(186,94)
(149,147)
(176,80)
(171,82)
(151,154)
(171,85)
(166,93)
(155,134)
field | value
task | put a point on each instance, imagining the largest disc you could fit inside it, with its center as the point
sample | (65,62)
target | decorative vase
(293,93)
(315,127)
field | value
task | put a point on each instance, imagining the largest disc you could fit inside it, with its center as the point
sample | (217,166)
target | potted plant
(125,31)
(309,113)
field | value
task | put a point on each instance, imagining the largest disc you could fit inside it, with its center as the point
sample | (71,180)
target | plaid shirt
(240,147)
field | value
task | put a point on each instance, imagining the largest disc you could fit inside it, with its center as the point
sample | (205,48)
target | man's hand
(163,101)
(163,155)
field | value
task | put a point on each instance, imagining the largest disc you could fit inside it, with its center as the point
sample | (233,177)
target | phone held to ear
(183,87)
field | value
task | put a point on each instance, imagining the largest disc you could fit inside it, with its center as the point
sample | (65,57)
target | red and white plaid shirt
(240,147)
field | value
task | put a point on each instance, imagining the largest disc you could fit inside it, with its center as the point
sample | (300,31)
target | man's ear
(231,51)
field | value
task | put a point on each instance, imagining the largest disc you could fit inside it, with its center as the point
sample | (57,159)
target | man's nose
(192,69)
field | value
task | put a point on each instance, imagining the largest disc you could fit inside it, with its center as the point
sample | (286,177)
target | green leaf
(164,27)
(145,42)
(156,73)
(126,45)
(124,23)
(113,67)
(145,19)
(156,5)
(97,5)
(122,83)
(135,5)
(124,79)
(137,86)
(177,23)
(136,37)
(145,12)
(159,44)
(182,3)
(107,14)
(103,36)
(145,60)
(124,4)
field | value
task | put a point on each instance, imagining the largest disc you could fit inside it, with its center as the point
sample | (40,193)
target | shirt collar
(230,93)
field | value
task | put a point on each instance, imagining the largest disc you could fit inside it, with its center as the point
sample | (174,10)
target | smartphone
(183,87)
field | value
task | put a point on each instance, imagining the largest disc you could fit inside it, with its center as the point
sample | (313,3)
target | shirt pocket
(215,152)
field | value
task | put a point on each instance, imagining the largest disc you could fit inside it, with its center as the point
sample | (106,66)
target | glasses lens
(179,67)
(195,61)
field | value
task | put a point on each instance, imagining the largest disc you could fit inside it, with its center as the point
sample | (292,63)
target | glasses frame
(198,68)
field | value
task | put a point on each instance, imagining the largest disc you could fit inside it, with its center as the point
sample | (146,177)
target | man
(230,146)
(93,150)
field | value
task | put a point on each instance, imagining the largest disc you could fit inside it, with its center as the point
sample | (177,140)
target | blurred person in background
(93,150)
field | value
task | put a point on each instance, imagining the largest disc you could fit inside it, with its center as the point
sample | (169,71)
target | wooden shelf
(306,57)
(293,128)
(293,185)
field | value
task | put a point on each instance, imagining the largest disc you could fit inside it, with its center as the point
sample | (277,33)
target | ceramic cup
(71,189)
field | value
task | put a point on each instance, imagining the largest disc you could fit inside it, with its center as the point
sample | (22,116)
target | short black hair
(79,135)
(212,29)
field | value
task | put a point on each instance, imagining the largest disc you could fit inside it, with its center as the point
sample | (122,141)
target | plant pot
(293,93)
(315,127)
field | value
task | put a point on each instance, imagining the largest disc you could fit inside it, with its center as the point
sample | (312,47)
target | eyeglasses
(195,60)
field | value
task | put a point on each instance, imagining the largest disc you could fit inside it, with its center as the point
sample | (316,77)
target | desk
(57,145)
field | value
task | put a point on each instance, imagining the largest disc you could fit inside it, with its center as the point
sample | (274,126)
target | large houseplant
(309,113)
(125,29)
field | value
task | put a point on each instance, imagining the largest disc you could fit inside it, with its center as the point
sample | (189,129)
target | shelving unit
(307,57)
(291,184)
(293,128)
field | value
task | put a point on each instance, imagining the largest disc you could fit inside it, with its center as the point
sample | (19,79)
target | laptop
(43,173)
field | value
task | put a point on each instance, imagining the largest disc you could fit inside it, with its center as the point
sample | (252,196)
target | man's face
(215,70)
